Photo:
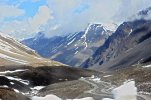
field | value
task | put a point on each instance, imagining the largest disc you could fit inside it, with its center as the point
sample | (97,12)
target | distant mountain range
(99,46)
(72,49)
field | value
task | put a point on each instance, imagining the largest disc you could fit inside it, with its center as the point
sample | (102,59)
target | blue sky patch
(31,8)
(81,8)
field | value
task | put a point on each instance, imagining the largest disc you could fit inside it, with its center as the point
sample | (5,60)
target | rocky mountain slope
(129,45)
(13,52)
(72,49)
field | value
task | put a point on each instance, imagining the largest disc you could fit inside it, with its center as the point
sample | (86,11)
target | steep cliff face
(128,45)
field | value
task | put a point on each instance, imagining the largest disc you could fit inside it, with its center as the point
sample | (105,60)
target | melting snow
(16,90)
(96,79)
(71,41)
(146,66)
(127,91)
(38,87)
(130,31)
(99,26)
(76,52)
(72,36)
(107,75)
(11,83)
(48,97)
(107,99)
(85,35)
(87,98)
(53,97)
(8,71)
(110,26)
(26,82)
(35,90)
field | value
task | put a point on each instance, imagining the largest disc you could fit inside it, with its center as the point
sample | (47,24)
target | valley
(25,75)
(96,50)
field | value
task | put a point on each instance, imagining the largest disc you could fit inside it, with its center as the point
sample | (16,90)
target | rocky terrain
(26,81)
(70,83)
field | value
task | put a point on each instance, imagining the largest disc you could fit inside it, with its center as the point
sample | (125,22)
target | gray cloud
(10,11)
(100,11)
(59,17)
(26,28)
(129,8)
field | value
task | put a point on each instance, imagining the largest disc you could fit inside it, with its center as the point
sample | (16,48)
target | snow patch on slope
(85,35)
(8,71)
(110,26)
(71,41)
(147,66)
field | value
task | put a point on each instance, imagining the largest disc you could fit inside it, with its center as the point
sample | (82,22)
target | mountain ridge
(13,52)
(126,37)
(72,49)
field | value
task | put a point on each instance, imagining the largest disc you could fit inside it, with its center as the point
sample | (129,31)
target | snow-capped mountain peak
(110,26)
(69,49)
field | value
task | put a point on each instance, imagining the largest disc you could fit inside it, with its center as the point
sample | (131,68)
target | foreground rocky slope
(71,83)
(27,81)
(72,49)
(129,45)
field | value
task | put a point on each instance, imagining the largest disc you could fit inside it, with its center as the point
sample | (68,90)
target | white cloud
(96,11)
(42,17)
(129,8)
(7,11)
(27,27)
(59,17)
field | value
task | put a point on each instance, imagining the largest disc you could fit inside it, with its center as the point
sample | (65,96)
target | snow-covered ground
(53,97)
(146,66)
(13,71)
(127,91)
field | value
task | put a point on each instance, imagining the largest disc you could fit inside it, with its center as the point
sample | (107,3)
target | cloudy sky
(24,18)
